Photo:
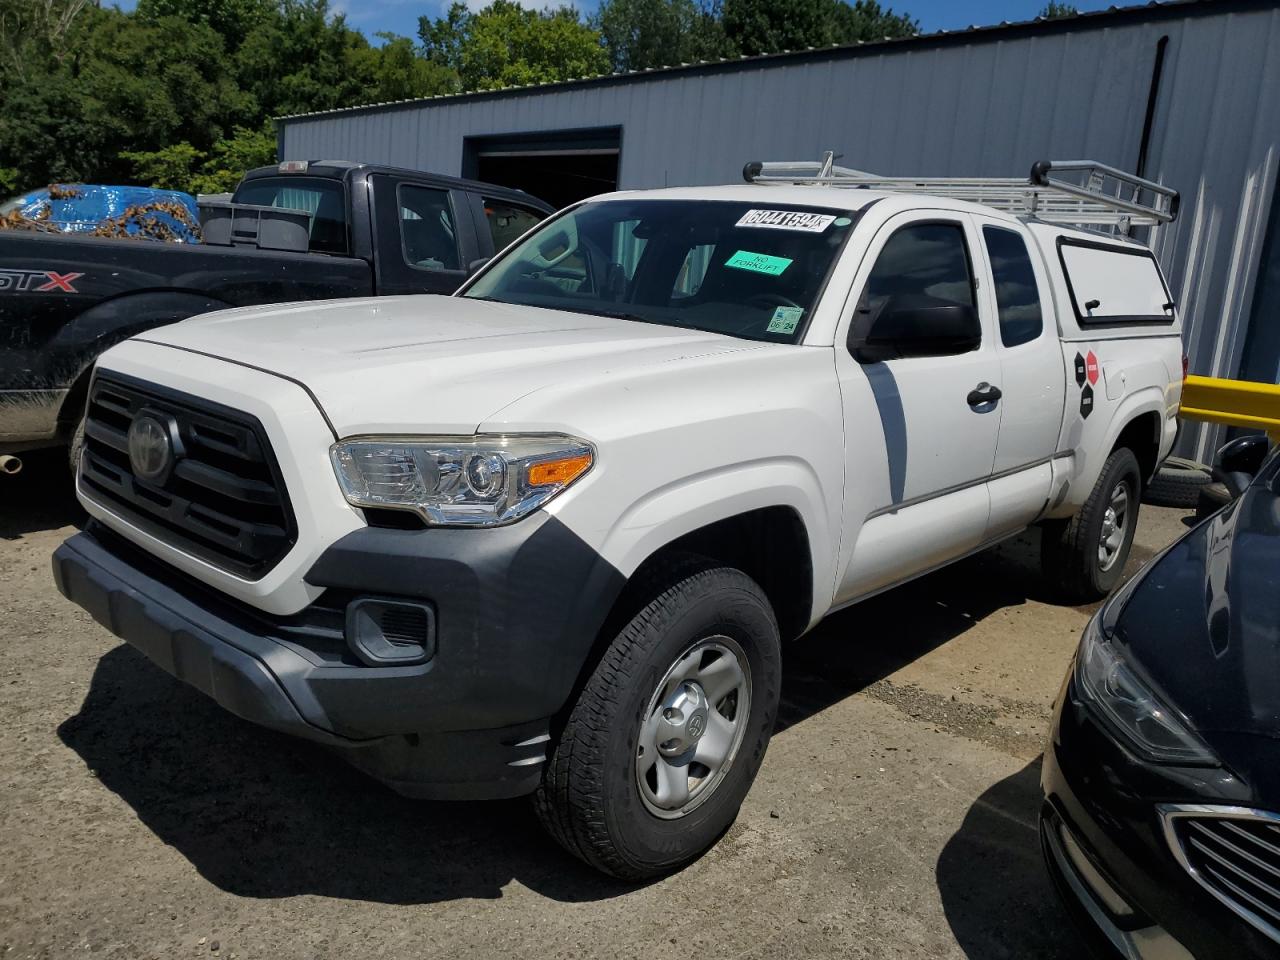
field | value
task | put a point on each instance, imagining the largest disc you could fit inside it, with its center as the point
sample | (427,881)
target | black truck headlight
(459,481)
(1148,725)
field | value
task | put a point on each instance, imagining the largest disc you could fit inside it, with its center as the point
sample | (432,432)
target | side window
(427,234)
(922,265)
(507,222)
(1017,296)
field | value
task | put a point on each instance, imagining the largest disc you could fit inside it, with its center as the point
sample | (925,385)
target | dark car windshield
(321,198)
(752,270)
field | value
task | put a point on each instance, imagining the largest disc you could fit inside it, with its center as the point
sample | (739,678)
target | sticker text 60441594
(787,220)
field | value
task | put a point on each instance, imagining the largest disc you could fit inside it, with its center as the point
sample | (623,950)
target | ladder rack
(1082,192)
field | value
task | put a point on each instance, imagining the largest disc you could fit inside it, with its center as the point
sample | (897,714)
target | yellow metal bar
(1237,403)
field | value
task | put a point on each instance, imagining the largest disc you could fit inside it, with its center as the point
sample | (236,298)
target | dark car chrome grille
(1235,854)
(223,501)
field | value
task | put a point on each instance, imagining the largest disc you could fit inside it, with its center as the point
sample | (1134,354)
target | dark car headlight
(1130,707)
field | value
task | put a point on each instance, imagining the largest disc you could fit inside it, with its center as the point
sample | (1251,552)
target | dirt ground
(894,815)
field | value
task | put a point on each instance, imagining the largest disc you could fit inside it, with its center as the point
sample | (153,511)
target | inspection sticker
(758,263)
(787,220)
(785,319)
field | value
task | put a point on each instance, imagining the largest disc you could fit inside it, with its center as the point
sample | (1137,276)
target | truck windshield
(321,198)
(751,270)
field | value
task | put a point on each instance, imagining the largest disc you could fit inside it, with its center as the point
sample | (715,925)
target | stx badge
(1086,402)
(1080,370)
(37,281)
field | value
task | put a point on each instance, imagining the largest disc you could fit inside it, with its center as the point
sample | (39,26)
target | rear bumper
(470,722)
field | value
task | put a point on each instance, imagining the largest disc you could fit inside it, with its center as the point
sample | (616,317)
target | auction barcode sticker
(787,220)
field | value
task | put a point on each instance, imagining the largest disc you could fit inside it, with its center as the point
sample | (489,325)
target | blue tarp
(94,203)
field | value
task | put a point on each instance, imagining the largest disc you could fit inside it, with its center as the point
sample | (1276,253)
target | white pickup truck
(545,536)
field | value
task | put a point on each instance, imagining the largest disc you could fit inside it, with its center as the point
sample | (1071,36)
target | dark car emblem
(151,447)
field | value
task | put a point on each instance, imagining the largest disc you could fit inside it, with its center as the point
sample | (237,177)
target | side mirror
(899,328)
(1239,461)
(1244,455)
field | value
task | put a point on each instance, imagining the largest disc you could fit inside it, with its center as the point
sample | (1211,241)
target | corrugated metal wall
(986,106)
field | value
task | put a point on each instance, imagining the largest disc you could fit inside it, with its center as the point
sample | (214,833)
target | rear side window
(507,223)
(1017,296)
(1114,285)
(426,229)
(323,199)
(922,264)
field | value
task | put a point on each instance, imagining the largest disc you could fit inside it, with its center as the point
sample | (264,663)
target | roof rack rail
(1082,192)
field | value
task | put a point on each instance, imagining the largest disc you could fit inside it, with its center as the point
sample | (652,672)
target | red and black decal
(1086,370)
(37,281)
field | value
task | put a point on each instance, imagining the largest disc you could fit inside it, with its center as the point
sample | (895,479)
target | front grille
(223,501)
(1235,854)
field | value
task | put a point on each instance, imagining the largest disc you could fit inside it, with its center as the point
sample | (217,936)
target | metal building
(1184,92)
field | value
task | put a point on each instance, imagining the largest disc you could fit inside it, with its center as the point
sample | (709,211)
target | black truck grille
(1236,855)
(223,500)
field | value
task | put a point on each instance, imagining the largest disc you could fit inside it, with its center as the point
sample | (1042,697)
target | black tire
(589,799)
(76,445)
(1177,484)
(1069,548)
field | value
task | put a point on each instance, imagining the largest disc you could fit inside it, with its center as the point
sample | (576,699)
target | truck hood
(429,363)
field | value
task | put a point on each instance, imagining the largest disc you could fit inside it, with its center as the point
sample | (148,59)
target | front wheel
(1083,558)
(667,735)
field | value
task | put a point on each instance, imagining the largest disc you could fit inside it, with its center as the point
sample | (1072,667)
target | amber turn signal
(560,472)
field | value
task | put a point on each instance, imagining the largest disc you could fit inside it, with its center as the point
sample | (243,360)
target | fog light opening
(391,632)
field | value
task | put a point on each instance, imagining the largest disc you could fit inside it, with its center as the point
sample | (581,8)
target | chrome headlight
(459,481)
(1149,726)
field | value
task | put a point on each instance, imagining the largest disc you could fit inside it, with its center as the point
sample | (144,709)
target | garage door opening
(560,168)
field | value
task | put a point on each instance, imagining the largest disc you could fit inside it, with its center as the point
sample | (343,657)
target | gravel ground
(894,815)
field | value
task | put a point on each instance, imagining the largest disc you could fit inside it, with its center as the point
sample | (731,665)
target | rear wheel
(1083,558)
(670,729)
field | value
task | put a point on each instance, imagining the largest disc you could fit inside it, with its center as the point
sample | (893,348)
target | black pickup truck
(371,231)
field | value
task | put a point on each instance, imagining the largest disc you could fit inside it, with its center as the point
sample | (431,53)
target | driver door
(921,430)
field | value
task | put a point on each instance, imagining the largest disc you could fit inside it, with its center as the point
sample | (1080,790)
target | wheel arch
(110,322)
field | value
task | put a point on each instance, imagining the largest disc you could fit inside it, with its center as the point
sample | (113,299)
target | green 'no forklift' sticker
(758,263)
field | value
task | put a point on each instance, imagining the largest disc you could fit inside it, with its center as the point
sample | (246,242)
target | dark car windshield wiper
(620,315)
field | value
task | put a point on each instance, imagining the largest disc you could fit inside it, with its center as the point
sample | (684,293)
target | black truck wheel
(670,729)
(1083,558)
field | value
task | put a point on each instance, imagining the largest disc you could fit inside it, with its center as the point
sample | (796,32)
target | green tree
(640,34)
(1055,11)
(759,26)
(182,167)
(506,45)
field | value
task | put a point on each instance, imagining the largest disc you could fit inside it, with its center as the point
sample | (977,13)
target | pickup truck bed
(376,230)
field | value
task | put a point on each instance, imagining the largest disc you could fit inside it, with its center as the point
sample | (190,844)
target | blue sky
(401,16)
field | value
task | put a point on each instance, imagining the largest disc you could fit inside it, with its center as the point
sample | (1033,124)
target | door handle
(983,393)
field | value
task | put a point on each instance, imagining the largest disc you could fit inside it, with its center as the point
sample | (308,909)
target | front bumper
(516,615)
(1106,849)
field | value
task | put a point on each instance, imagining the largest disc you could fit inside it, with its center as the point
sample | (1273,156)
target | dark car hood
(1203,627)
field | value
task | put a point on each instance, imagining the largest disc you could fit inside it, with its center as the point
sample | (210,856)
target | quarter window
(1017,295)
(426,229)
(926,264)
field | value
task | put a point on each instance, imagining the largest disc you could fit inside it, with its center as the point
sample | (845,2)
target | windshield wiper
(619,315)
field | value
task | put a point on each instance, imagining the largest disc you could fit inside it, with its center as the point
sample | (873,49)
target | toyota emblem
(151,447)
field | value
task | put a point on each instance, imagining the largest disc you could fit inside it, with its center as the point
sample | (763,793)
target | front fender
(679,508)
